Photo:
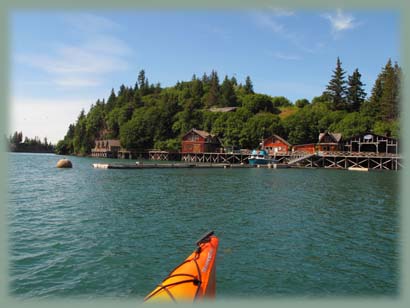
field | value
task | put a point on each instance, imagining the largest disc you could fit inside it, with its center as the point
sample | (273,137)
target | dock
(184,166)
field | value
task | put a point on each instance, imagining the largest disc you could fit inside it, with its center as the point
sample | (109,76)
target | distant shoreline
(30,151)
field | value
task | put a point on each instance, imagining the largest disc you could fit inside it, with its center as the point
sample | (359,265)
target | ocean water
(92,233)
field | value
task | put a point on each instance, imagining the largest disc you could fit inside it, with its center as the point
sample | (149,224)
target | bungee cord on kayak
(194,278)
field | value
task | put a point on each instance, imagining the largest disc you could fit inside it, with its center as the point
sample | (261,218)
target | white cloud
(340,21)
(269,22)
(280,12)
(78,83)
(287,56)
(84,63)
(89,23)
(44,117)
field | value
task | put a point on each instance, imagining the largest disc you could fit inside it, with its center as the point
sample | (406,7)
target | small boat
(358,169)
(192,280)
(260,157)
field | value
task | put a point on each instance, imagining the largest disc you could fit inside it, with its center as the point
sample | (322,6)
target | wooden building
(276,145)
(199,141)
(309,148)
(370,142)
(108,148)
(329,142)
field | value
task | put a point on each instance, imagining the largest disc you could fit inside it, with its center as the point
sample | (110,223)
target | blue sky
(62,62)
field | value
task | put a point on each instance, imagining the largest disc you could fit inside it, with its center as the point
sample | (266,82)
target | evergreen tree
(197,90)
(372,108)
(213,94)
(228,96)
(111,100)
(336,89)
(355,91)
(16,138)
(248,86)
(143,83)
(385,98)
(141,79)
(390,97)
(205,79)
(398,75)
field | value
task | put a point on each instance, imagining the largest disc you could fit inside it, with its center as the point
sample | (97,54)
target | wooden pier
(329,160)
(185,166)
(321,159)
(349,161)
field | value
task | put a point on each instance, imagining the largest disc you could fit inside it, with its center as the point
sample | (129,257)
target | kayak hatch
(193,279)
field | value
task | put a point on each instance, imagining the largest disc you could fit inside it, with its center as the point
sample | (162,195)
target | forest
(147,116)
(16,143)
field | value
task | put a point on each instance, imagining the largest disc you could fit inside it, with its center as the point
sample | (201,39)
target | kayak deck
(194,278)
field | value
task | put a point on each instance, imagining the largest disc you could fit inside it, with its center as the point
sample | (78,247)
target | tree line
(147,116)
(16,143)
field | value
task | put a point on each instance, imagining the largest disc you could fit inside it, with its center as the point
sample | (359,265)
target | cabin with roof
(276,145)
(107,148)
(329,142)
(199,141)
(369,142)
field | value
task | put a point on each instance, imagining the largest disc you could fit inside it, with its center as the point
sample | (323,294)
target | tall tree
(212,97)
(143,83)
(336,89)
(390,97)
(399,75)
(112,99)
(141,79)
(228,96)
(196,88)
(355,92)
(385,98)
(248,86)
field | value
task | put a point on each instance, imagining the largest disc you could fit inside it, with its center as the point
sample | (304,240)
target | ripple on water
(88,233)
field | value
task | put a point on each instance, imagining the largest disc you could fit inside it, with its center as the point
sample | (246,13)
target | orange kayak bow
(192,280)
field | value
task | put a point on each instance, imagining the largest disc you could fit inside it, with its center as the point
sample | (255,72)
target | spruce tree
(336,89)
(112,99)
(385,98)
(197,90)
(213,94)
(390,96)
(248,86)
(398,75)
(228,93)
(355,91)
(141,79)
(143,83)
(373,109)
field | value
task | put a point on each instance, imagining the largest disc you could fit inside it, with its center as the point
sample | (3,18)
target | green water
(91,233)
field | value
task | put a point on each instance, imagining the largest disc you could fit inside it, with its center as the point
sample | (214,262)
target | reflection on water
(85,232)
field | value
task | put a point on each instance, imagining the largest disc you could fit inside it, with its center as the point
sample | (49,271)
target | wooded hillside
(147,116)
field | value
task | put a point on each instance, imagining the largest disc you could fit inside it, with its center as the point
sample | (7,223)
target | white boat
(260,157)
(358,169)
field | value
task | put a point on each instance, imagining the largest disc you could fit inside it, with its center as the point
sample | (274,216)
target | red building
(307,148)
(199,141)
(276,144)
